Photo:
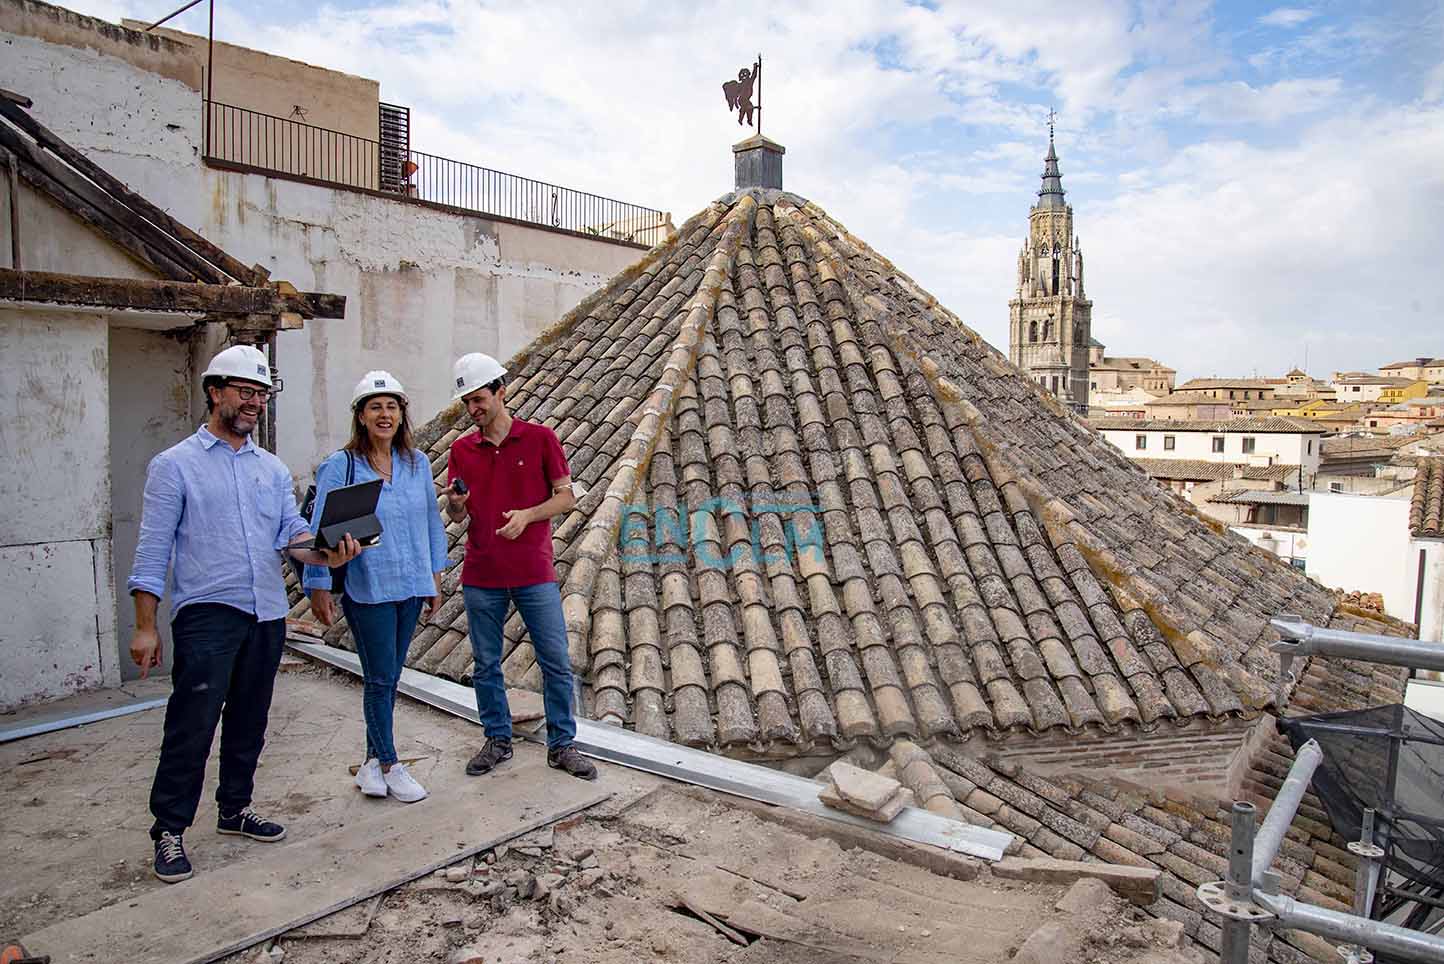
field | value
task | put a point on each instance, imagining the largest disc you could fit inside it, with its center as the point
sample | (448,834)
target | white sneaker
(402,785)
(370,779)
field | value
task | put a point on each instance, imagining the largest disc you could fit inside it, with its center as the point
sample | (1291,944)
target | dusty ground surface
(75,814)
(634,879)
(628,886)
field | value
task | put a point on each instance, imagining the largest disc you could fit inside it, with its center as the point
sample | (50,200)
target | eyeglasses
(246,392)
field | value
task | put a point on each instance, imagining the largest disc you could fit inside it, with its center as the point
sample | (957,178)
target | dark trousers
(224,673)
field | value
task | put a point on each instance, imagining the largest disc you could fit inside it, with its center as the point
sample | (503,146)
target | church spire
(1051,194)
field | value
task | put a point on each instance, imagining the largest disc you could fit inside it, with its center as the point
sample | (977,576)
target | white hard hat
(475,371)
(378,383)
(240,361)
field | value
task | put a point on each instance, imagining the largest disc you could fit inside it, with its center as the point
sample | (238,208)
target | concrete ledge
(1131,883)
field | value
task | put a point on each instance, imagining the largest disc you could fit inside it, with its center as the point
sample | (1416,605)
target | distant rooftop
(1290,426)
(1201,470)
(1129,363)
(1203,383)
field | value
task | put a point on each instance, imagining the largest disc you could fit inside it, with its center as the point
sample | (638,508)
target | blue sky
(1248,179)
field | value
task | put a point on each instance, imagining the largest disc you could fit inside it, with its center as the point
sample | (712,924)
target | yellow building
(1394,394)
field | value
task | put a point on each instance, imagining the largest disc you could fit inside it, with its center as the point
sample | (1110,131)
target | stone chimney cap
(756,141)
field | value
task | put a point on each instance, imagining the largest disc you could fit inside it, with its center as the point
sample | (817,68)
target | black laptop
(349,508)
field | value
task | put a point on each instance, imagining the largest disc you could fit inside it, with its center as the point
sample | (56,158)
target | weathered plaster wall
(58,634)
(423,287)
(112,95)
(277,85)
(150,410)
(52,239)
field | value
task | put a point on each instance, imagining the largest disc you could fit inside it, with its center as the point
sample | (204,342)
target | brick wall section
(1194,759)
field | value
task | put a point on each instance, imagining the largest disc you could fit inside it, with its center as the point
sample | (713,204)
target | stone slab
(903,797)
(863,788)
(1132,883)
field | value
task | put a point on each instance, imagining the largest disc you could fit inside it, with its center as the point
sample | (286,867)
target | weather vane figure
(739,94)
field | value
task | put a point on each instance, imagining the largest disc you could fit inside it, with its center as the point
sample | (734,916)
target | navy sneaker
(248,823)
(171,863)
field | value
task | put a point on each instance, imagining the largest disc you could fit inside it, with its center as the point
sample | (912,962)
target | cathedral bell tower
(1050,320)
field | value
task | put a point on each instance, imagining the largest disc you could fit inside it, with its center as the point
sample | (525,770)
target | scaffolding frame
(1250,895)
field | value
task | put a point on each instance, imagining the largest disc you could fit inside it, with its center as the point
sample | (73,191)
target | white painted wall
(1368,392)
(58,634)
(1280,447)
(1361,543)
(1431,611)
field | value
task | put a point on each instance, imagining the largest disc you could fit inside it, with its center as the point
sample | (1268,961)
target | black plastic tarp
(1391,759)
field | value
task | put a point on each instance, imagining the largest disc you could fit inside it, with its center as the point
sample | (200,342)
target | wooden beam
(15,98)
(86,202)
(12,169)
(254,276)
(319,304)
(182,297)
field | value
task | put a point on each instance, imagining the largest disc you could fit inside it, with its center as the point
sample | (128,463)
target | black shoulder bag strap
(338,575)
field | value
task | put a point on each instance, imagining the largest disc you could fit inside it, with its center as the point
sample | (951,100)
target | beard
(238,420)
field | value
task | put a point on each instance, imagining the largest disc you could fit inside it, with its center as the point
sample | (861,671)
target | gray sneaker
(568,758)
(489,757)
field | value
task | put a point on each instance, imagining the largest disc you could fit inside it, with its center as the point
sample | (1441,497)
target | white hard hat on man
(245,362)
(475,371)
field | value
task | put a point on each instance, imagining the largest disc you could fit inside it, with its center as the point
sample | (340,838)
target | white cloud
(1287,17)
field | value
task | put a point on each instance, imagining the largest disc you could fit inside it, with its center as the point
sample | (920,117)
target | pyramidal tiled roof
(820,509)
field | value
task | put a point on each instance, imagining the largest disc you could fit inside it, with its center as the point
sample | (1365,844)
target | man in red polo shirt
(514,478)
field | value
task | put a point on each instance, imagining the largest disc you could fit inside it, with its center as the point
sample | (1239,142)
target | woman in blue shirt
(392,584)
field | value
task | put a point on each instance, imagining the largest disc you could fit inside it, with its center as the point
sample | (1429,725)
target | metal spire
(1051,194)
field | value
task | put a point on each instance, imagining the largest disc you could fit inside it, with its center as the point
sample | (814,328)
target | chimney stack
(759,163)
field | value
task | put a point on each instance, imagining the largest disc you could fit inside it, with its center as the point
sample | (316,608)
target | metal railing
(293,148)
(1250,894)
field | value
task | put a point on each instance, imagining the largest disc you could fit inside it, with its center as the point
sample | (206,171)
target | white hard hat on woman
(378,383)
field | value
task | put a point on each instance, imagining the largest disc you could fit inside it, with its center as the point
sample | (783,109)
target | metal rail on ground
(698,767)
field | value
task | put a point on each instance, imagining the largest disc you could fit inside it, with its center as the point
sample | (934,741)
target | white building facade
(1255,442)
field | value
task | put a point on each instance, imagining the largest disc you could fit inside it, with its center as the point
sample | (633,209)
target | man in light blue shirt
(218,512)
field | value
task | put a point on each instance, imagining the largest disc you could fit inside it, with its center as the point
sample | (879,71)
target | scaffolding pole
(1301,638)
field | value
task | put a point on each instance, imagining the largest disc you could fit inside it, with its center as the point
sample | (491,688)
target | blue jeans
(540,606)
(383,635)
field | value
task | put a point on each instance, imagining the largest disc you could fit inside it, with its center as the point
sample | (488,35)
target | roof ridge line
(598,537)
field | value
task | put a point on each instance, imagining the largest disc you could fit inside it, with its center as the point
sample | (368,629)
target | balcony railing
(290,148)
